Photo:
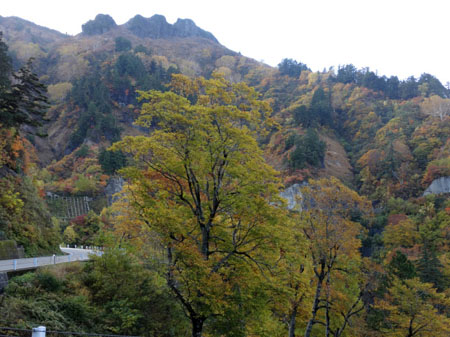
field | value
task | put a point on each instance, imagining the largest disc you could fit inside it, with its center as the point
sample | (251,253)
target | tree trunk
(205,242)
(315,308)
(197,326)
(292,321)
(410,329)
(327,307)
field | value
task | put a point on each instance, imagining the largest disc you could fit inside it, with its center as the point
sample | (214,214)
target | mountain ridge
(155,27)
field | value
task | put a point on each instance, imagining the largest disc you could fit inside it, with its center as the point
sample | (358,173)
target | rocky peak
(101,24)
(157,27)
(187,27)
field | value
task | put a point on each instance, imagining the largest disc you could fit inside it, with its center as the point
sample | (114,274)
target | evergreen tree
(5,66)
(429,266)
(321,107)
(303,116)
(392,87)
(122,44)
(24,101)
(409,88)
(347,74)
(432,86)
(111,161)
(90,89)
(291,67)
(401,267)
(309,150)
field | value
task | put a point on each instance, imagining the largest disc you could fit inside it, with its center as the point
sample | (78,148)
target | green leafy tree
(411,309)
(333,249)
(201,184)
(309,150)
(130,299)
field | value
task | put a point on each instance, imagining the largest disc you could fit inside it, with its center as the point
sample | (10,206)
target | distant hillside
(386,137)
(138,55)
(365,129)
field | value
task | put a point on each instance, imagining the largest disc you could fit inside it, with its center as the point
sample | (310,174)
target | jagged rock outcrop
(157,27)
(115,185)
(439,186)
(187,28)
(293,194)
(101,24)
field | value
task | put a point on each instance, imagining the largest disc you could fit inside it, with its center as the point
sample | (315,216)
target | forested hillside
(199,141)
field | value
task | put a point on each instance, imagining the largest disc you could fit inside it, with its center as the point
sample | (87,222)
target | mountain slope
(156,47)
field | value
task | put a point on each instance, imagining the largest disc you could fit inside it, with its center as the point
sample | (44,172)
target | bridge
(72,255)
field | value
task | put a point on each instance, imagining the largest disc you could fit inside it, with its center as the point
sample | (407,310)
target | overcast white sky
(395,37)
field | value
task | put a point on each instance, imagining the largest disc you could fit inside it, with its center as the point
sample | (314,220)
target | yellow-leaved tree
(201,185)
(328,224)
(412,308)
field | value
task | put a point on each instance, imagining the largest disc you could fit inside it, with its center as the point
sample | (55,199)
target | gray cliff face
(187,28)
(439,186)
(293,195)
(157,27)
(115,185)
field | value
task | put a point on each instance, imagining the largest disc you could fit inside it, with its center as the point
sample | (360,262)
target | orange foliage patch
(394,219)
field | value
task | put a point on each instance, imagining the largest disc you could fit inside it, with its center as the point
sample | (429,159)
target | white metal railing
(35,262)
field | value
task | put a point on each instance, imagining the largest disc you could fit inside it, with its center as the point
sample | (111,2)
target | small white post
(54,259)
(39,331)
(15,264)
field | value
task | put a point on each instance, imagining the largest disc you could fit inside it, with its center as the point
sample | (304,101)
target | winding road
(73,254)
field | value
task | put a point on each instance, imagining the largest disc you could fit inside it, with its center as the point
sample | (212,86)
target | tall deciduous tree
(202,186)
(334,248)
(413,309)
